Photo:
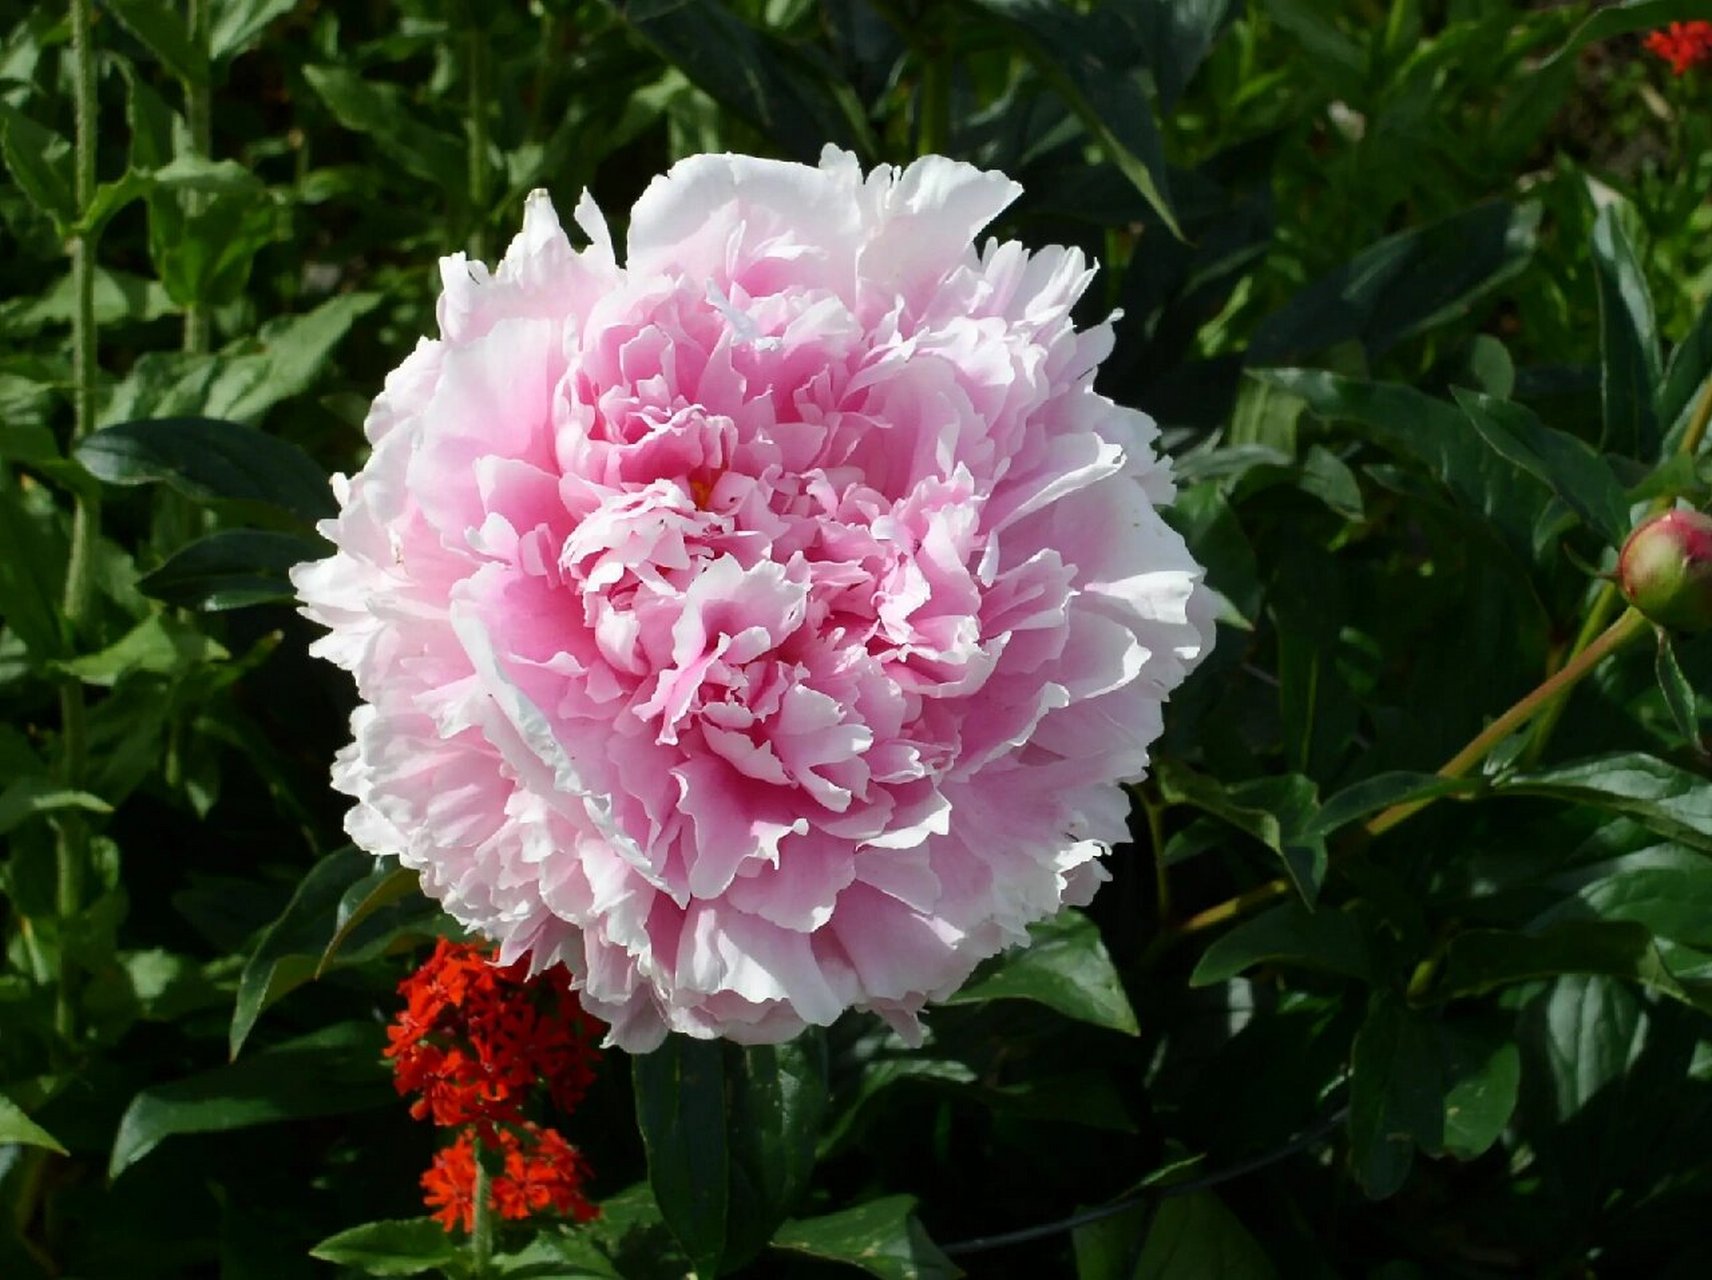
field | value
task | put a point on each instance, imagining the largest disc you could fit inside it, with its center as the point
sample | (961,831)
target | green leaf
(232,569)
(1482,1075)
(730,1134)
(382,887)
(1434,434)
(384,113)
(1396,1095)
(15,1126)
(237,24)
(1065,967)
(203,458)
(187,172)
(1290,934)
(400,1247)
(333,1071)
(291,949)
(1403,285)
(159,27)
(1073,52)
(1631,369)
(27,797)
(680,1110)
(40,161)
(1687,376)
(1195,1235)
(1679,696)
(1567,464)
(1481,960)
(1277,811)
(796,100)
(1382,791)
(158,645)
(1672,902)
(1658,795)
(881,1237)
(32,571)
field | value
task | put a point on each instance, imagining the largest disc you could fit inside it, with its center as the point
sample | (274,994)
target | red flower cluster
(1682,44)
(474,1039)
(475,1042)
(543,1173)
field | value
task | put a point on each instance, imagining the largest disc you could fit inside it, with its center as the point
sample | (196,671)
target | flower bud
(1665,570)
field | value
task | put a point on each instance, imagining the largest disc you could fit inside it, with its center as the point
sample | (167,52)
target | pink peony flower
(759,628)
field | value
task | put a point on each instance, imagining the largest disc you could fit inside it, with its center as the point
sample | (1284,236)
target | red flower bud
(1665,570)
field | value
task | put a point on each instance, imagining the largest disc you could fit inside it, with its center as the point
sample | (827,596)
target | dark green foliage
(1418,293)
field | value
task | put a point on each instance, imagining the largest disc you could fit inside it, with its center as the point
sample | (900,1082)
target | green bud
(1665,570)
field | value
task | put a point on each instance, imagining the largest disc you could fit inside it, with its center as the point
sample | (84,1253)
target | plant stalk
(1625,630)
(933,134)
(480,73)
(72,851)
(481,1231)
(199,115)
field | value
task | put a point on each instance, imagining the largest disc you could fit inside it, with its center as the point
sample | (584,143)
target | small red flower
(474,1039)
(1682,44)
(450,1184)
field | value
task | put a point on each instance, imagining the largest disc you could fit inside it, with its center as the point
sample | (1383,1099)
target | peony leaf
(881,1237)
(1482,1076)
(1662,796)
(1685,376)
(383,112)
(231,569)
(1291,934)
(680,1109)
(730,1134)
(15,1126)
(400,1247)
(1482,960)
(1396,1092)
(1678,693)
(1065,967)
(380,888)
(1381,791)
(204,458)
(1403,285)
(1631,369)
(333,1071)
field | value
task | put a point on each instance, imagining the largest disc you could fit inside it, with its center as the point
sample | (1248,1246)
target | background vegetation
(1419,291)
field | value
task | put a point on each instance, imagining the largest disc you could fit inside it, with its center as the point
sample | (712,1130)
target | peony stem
(933,135)
(1605,602)
(1626,629)
(72,851)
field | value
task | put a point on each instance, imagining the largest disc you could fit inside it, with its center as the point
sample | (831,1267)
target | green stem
(1631,626)
(1606,602)
(72,853)
(481,1233)
(480,71)
(199,114)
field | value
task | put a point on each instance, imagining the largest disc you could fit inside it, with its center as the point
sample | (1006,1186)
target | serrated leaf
(204,458)
(399,1247)
(333,1071)
(1567,464)
(40,163)
(1065,967)
(881,1237)
(159,26)
(382,111)
(232,569)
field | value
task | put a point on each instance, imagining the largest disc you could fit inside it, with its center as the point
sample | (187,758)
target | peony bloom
(758,628)
(1682,44)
